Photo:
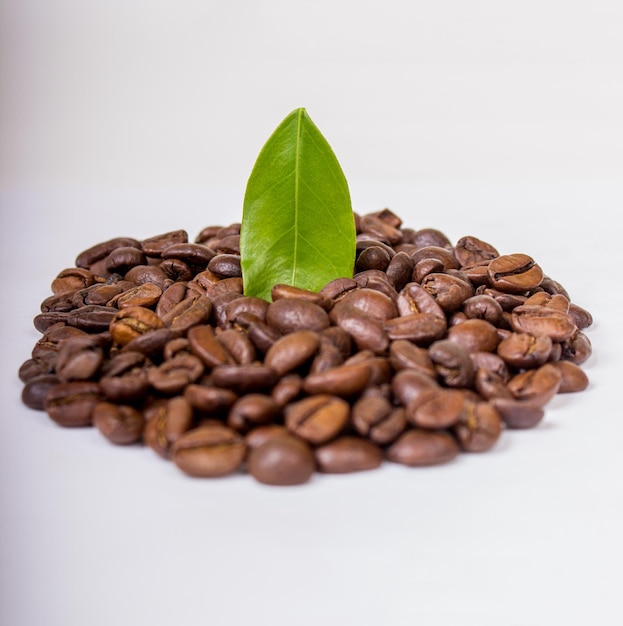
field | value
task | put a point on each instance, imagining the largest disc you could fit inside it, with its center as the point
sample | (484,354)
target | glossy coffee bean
(348,454)
(282,460)
(420,448)
(120,424)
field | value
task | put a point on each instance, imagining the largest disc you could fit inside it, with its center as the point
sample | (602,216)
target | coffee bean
(291,314)
(209,451)
(71,403)
(348,454)
(282,460)
(292,351)
(120,424)
(419,448)
(317,418)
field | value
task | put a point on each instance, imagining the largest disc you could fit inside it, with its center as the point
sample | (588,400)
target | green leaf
(297,225)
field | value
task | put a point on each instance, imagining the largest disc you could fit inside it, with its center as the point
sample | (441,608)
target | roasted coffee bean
(198,312)
(375,417)
(154,246)
(413,298)
(79,358)
(71,279)
(245,304)
(483,307)
(419,448)
(345,380)
(491,385)
(479,426)
(542,320)
(205,344)
(537,386)
(368,301)
(475,335)
(291,314)
(71,404)
(171,296)
(449,291)
(208,399)
(140,274)
(120,260)
(573,377)
(196,256)
(405,354)
(399,270)
(35,390)
(244,378)
(292,351)
(366,332)
(436,408)
(225,265)
(327,357)
(151,343)
(582,318)
(518,414)
(372,258)
(420,328)
(515,273)
(407,384)
(523,350)
(287,389)
(238,345)
(124,377)
(281,291)
(471,250)
(348,454)
(167,421)
(145,295)
(174,375)
(132,322)
(120,424)
(377,281)
(452,363)
(336,289)
(261,434)
(282,460)
(318,418)
(251,410)
(101,250)
(209,451)
(577,348)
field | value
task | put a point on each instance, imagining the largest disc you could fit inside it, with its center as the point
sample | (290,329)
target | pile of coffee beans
(429,350)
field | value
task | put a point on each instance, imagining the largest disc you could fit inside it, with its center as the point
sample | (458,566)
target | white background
(501,120)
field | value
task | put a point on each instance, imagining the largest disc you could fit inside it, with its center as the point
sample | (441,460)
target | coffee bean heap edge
(428,351)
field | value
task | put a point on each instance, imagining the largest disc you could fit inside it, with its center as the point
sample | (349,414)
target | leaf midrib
(297,159)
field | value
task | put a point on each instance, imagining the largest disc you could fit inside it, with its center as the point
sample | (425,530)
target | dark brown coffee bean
(71,404)
(582,318)
(318,418)
(573,377)
(151,343)
(292,351)
(154,246)
(35,390)
(209,451)
(79,358)
(122,259)
(452,363)
(71,279)
(515,273)
(449,291)
(197,312)
(171,297)
(436,408)
(483,307)
(407,384)
(281,291)
(471,250)
(375,417)
(376,280)
(225,265)
(251,410)
(167,421)
(368,301)
(524,351)
(291,314)
(209,399)
(261,434)
(92,318)
(145,295)
(475,335)
(577,348)
(399,270)
(205,344)
(141,274)
(405,354)
(173,375)
(101,250)
(327,357)
(120,424)
(479,426)
(490,384)
(345,380)
(195,255)
(348,454)
(537,386)
(420,328)
(380,230)
(287,389)
(338,288)
(420,448)
(518,414)
(366,332)
(238,345)
(132,322)
(245,304)
(244,378)
(282,460)
(542,320)
(372,258)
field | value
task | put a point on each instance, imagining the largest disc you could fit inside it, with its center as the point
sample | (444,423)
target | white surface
(132,118)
